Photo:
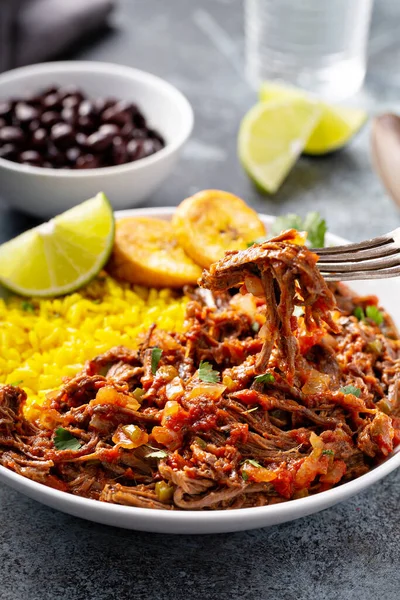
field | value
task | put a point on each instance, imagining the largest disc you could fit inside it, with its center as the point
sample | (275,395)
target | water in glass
(319,45)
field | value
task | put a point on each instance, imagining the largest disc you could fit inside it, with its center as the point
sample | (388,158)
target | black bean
(110,128)
(87,109)
(13,135)
(134,148)
(138,134)
(151,146)
(33,125)
(8,151)
(81,139)
(72,101)
(31,157)
(69,115)
(5,109)
(62,135)
(87,124)
(139,120)
(55,156)
(73,154)
(87,161)
(24,113)
(102,104)
(120,113)
(49,118)
(119,152)
(152,133)
(126,130)
(39,138)
(51,101)
(99,141)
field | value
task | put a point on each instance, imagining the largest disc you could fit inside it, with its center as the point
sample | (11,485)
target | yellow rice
(43,340)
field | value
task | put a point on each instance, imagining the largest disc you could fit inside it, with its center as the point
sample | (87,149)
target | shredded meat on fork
(287,276)
(255,403)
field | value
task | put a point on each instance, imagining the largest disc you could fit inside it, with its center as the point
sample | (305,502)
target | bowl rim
(70,66)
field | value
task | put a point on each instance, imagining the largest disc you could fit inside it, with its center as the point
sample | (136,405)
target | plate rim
(190,521)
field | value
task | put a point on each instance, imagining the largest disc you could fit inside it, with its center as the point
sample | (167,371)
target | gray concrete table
(350,551)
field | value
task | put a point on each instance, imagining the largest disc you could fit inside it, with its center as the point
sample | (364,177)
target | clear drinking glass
(319,45)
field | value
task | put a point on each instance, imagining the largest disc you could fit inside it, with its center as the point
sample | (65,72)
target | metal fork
(378,258)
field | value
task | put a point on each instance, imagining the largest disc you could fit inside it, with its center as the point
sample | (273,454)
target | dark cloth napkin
(38,30)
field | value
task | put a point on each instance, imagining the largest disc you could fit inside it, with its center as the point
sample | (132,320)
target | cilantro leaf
(313,224)
(245,475)
(351,389)
(27,306)
(64,440)
(316,228)
(328,452)
(265,378)
(253,462)
(207,374)
(373,313)
(155,359)
(157,454)
(359,313)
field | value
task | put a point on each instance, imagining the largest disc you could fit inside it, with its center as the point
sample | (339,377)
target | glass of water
(318,45)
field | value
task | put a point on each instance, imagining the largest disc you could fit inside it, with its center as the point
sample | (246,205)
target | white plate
(214,521)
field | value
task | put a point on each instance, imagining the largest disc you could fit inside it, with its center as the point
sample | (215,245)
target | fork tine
(372,243)
(372,264)
(359,275)
(360,255)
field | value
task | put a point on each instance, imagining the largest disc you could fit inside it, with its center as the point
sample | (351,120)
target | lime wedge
(60,256)
(271,137)
(336,127)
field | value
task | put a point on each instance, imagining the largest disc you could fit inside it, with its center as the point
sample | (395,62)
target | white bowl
(45,192)
(217,521)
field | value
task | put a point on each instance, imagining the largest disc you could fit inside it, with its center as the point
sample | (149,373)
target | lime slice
(337,125)
(62,255)
(271,137)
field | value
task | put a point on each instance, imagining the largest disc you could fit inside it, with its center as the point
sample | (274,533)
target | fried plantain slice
(212,222)
(146,252)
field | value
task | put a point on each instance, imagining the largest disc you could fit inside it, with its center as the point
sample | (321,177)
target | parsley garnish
(313,223)
(27,306)
(245,475)
(359,313)
(157,454)
(328,452)
(265,378)
(155,359)
(316,228)
(351,389)
(207,374)
(64,440)
(372,312)
(253,462)
(16,383)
